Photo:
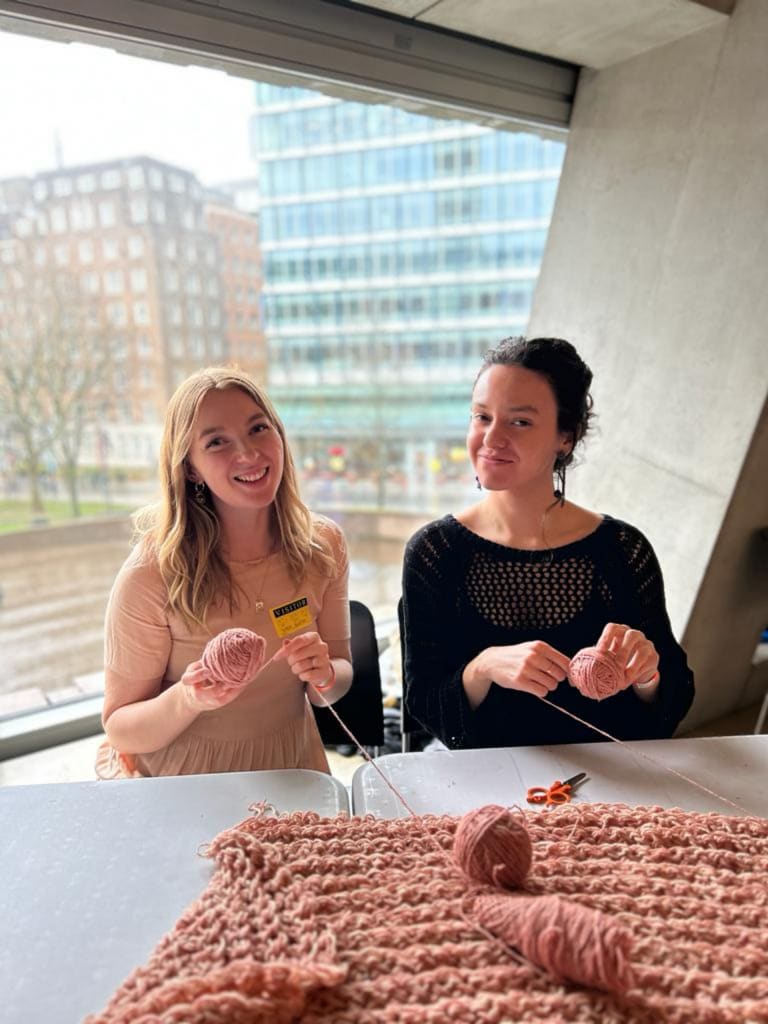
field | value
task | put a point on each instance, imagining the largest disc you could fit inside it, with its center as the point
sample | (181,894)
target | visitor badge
(290,618)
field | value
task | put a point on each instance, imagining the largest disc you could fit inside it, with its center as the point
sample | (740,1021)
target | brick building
(171,274)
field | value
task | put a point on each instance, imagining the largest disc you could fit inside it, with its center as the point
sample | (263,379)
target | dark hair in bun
(568,375)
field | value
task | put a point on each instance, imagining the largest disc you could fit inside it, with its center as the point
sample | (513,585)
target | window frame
(359,54)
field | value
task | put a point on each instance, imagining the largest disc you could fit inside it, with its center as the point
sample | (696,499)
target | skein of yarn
(233,658)
(492,846)
(571,942)
(596,674)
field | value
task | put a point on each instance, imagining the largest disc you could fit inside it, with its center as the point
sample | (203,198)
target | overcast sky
(105,105)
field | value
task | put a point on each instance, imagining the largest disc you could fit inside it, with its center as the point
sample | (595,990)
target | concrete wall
(656,269)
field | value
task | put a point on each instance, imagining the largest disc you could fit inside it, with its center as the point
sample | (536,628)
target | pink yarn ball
(493,847)
(234,657)
(596,674)
(571,942)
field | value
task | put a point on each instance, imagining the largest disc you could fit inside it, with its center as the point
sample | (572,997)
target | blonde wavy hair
(184,534)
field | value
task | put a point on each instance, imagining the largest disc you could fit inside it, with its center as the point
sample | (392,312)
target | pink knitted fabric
(363,921)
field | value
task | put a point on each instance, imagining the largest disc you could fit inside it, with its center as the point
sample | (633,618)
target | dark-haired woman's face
(513,438)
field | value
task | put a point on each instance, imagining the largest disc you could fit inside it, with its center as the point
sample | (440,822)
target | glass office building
(397,248)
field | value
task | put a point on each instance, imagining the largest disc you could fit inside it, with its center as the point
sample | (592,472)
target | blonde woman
(229,542)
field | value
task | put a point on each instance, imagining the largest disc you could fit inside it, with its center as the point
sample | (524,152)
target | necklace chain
(258,604)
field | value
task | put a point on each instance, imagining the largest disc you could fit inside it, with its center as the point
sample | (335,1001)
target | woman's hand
(199,693)
(307,657)
(637,655)
(533,667)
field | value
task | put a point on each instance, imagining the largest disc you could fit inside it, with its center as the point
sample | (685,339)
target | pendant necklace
(258,604)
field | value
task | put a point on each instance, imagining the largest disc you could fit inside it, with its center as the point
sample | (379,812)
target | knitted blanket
(361,921)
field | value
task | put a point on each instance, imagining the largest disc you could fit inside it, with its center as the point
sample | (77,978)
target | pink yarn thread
(493,847)
(234,657)
(571,942)
(596,674)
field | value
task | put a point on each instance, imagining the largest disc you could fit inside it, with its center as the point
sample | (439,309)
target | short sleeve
(137,636)
(333,623)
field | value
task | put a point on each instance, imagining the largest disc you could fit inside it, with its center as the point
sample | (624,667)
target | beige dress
(271,724)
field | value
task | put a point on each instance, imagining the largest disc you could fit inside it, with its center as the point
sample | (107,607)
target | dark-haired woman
(497,599)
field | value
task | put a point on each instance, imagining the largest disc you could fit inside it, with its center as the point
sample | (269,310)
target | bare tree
(53,359)
(22,375)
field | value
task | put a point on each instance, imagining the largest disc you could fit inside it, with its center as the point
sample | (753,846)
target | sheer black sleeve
(432,665)
(676,688)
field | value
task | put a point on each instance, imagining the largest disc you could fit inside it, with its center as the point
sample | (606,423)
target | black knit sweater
(462,594)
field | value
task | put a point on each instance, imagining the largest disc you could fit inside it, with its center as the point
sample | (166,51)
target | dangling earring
(478,484)
(560,473)
(200,492)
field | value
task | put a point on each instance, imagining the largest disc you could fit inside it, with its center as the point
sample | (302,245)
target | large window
(356,256)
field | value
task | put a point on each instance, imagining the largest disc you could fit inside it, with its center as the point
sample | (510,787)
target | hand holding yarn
(532,667)
(308,658)
(621,657)
(200,694)
(634,650)
(230,661)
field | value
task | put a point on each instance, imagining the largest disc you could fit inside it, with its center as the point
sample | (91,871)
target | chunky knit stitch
(365,921)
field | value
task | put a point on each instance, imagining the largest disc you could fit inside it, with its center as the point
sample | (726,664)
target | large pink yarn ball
(493,847)
(596,674)
(234,657)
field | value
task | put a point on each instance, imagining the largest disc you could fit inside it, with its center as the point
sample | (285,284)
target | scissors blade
(575,780)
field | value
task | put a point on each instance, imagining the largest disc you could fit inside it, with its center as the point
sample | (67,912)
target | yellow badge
(290,618)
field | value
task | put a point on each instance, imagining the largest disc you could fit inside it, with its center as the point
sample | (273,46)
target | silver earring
(478,484)
(200,492)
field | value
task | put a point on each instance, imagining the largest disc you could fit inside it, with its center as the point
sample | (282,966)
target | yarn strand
(581,721)
(652,760)
(368,757)
(576,718)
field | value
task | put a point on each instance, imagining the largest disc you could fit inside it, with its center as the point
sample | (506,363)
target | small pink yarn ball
(596,674)
(493,847)
(234,657)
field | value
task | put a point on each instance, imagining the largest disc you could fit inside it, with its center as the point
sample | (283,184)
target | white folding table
(640,772)
(95,873)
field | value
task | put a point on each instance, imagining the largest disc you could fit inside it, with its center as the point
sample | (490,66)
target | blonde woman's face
(236,451)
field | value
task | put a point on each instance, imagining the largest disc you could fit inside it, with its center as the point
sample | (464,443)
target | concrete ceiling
(592,33)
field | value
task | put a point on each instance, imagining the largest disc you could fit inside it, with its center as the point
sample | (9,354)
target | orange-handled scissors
(558,792)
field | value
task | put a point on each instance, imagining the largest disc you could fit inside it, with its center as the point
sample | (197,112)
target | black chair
(361,709)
